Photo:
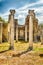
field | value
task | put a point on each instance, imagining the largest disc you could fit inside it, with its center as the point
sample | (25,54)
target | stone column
(12,29)
(9,32)
(1,32)
(35,33)
(26,33)
(31,32)
(16,32)
(35,37)
(42,36)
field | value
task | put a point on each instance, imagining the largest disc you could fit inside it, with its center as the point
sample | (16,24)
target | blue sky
(21,7)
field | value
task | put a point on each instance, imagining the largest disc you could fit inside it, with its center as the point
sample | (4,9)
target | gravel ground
(29,58)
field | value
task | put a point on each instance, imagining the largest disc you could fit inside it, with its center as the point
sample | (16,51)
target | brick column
(30,32)
(16,32)
(26,33)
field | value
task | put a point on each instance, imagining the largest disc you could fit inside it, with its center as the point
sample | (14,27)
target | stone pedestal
(17,33)
(30,32)
(25,33)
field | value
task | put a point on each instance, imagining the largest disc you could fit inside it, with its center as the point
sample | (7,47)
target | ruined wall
(15,24)
(21,29)
(21,32)
(5,32)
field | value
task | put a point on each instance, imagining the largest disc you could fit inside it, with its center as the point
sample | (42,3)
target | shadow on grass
(4,51)
(21,41)
(41,55)
(19,54)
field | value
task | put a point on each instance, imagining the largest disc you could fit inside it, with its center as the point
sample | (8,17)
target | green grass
(4,46)
(21,46)
(38,49)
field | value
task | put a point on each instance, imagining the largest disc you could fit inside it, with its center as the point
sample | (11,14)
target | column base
(11,48)
(25,41)
(30,48)
(41,43)
(16,40)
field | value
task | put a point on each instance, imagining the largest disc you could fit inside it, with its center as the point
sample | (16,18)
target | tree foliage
(2,20)
(41,25)
(5,23)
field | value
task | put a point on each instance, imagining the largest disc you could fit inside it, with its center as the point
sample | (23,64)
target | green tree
(2,20)
(41,25)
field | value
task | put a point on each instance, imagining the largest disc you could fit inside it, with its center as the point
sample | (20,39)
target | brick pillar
(11,34)
(30,32)
(16,32)
(26,33)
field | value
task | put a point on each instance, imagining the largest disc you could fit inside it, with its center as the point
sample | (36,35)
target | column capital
(12,12)
(31,13)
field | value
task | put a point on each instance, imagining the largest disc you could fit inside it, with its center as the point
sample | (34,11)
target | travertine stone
(25,28)
(31,32)
(11,29)
(35,37)
(42,36)
(26,33)
(1,28)
(16,32)
(8,32)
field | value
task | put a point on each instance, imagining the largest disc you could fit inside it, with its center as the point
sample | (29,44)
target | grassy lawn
(24,59)
(4,46)
(21,46)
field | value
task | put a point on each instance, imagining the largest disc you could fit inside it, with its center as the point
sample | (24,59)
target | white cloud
(5,15)
(25,8)
(23,11)
(38,10)
(40,18)
(20,16)
(32,4)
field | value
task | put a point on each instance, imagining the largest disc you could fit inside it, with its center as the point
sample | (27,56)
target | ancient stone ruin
(27,32)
